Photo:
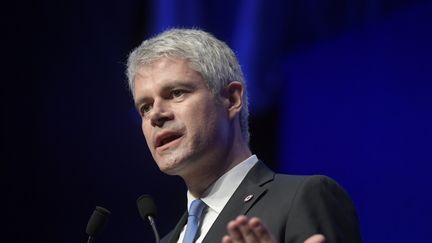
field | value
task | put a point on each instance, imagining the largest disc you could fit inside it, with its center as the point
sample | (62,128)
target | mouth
(166,140)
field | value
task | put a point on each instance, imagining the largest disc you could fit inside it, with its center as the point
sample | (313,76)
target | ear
(235,92)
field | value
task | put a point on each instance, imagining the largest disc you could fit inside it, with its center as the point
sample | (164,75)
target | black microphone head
(146,206)
(97,221)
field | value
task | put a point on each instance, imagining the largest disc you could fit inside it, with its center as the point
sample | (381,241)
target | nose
(160,113)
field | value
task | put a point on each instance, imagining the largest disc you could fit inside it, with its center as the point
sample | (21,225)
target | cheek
(147,133)
(208,122)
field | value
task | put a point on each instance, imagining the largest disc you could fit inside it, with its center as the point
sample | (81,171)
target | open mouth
(168,139)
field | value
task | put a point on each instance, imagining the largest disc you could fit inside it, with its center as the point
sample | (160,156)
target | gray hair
(212,58)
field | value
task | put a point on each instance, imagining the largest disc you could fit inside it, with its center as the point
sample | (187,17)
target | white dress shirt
(217,196)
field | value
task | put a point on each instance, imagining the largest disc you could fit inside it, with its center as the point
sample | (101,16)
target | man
(190,92)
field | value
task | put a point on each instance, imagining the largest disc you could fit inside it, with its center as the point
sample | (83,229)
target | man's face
(183,123)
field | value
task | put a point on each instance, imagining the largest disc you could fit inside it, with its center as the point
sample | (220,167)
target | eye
(144,109)
(177,93)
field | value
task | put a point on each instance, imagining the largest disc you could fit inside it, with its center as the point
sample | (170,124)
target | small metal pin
(248,198)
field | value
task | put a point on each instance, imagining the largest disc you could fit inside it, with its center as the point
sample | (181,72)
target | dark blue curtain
(342,88)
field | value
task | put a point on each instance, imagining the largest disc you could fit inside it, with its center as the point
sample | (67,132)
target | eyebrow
(178,83)
(140,101)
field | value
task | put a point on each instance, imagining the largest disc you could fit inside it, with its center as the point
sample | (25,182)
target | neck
(203,177)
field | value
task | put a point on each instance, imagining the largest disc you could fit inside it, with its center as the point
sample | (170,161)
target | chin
(168,166)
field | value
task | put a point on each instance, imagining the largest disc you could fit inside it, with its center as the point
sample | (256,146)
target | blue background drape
(341,88)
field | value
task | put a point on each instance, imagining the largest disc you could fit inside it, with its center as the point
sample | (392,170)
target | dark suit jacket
(292,207)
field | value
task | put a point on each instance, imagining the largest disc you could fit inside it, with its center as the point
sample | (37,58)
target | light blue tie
(195,211)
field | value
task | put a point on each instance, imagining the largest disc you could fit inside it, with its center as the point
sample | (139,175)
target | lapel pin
(248,198)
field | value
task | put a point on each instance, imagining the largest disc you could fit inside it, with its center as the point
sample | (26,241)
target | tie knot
(196,208)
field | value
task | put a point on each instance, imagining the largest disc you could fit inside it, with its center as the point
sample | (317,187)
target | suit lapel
(238,204)
(179,227)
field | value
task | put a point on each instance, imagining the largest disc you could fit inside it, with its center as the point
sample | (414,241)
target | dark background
(342,88)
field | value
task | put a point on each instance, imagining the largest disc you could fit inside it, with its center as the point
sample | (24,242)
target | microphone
(97,222)
(147,211)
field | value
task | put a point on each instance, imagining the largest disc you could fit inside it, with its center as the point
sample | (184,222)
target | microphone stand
(153,225)
(90,239)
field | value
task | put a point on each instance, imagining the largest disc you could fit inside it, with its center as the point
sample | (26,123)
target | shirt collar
(218,194)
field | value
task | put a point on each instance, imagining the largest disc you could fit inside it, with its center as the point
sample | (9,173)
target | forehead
(166,71)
